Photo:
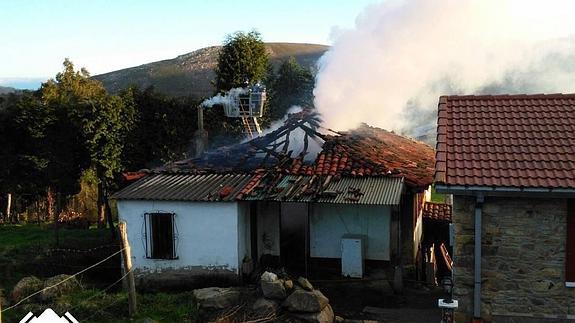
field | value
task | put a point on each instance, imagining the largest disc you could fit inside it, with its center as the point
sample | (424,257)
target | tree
(162,131)
(24,158)
(293,85)
(243,57)
(89,131)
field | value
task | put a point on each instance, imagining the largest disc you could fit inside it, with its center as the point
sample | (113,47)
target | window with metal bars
(160,235)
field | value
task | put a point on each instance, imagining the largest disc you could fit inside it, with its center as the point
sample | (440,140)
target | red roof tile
(369,151)
(525,141)
(365,151)
(132,176)
(437,211)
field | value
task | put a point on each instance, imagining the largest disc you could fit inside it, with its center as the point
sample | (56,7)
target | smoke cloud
(390,70)
(223,99)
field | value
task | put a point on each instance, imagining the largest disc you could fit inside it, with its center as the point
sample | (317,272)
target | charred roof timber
(298,148)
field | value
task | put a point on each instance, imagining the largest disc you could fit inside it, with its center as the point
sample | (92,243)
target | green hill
(192,73)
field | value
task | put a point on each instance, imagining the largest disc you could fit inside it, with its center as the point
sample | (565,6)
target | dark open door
(294,237)
(254,232)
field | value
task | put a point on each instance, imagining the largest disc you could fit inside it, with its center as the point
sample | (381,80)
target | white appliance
(352,254)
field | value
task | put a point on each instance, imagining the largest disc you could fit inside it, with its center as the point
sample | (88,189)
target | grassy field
(27,250)
(23,236)
(24,247)
(96,306)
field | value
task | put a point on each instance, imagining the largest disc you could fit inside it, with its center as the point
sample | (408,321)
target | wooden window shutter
(570,245)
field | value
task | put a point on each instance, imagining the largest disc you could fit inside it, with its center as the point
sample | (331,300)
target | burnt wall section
(523,265)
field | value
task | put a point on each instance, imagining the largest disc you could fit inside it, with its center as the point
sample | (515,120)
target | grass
(95,306)
(437,197)
(22,236)
(23,249)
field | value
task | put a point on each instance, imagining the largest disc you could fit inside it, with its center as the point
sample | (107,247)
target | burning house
(315,203)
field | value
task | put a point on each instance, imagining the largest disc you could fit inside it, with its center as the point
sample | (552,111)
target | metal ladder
(251,127)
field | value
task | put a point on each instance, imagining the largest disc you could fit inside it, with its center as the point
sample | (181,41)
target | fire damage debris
(283,167)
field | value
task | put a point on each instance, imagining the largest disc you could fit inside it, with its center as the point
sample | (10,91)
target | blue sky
(104,35)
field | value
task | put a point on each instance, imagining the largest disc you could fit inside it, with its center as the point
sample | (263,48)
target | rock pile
(59,285)
(300,300)
(216,297)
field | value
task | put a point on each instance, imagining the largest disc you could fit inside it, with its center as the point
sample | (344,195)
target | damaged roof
(185,187)
(510,141)
(345,190)
(362,152)
(295,162)
(264,186)
(369,151)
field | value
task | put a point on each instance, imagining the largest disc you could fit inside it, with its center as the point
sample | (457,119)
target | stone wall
(523,266)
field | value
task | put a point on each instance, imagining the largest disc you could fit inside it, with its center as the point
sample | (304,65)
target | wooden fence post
(8,217)
(127,259)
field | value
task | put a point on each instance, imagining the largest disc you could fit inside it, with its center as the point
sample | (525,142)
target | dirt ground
(375,300)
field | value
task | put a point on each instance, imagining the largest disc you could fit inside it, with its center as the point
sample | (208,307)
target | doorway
(294,237)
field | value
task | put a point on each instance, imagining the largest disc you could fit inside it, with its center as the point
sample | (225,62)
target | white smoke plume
(296,144)
(390,70)
(223,99)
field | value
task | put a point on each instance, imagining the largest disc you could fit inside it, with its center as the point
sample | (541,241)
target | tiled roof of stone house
(519,141)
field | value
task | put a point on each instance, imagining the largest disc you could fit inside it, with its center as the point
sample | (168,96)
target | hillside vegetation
(6,89)
(191,74)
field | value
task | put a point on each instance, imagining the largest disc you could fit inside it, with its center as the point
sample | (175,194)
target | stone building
(509,161)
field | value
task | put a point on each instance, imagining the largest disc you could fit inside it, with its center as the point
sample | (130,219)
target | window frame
(148,235)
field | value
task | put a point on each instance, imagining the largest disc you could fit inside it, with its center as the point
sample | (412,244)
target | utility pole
(127,260)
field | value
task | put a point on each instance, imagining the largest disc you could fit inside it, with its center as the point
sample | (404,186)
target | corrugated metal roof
(364,190)
(185,187)
(348,190)
(289,188)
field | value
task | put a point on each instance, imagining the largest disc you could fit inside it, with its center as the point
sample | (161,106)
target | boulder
(325,316)
(274,289)
(217,297)
(66,285)
(304,283)
(265,306)
(269,277)
(306,301)
(25,287)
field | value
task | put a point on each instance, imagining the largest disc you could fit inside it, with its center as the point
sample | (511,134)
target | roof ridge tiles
(447,98)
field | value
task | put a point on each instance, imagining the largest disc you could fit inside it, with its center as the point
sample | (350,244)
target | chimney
(200,136)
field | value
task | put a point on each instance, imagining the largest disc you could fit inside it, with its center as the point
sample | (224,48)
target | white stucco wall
(208,234)
(329,222)
(268,222)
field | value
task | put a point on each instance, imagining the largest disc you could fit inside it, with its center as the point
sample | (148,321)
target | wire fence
(80,251)
(101,292)
(66,279)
